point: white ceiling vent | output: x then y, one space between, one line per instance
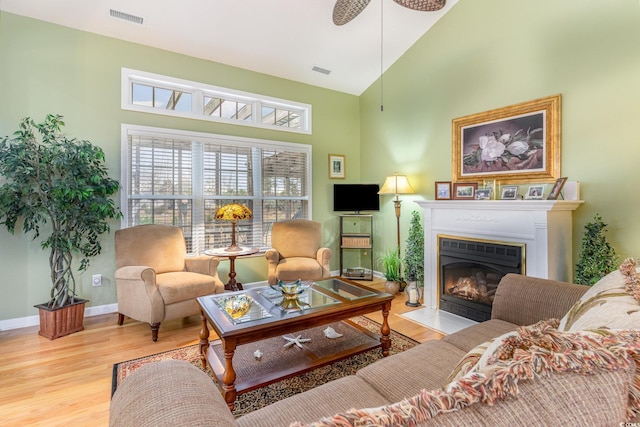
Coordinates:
321 70
126 17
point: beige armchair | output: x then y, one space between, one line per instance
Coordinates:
155 280
297 252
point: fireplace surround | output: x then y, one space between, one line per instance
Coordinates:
543 227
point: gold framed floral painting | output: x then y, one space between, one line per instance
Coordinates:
518 143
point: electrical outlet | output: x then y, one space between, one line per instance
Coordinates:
96 280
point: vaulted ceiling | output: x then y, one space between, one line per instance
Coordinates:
284 38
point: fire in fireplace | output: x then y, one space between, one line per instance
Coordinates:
469 273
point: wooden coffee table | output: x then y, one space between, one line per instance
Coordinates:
326 301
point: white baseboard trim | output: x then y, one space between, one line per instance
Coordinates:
24 322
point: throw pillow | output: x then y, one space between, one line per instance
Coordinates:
530 353
469 361
609 304
511 340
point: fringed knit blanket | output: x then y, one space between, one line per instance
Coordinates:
534 351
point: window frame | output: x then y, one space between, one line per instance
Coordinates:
199 90
198 223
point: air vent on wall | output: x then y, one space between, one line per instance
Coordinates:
126 17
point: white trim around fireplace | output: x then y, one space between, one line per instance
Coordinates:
544 226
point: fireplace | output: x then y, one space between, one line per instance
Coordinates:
542 226
470 270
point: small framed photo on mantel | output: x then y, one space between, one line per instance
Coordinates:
535 192
464 190
509 192
557 188
443 190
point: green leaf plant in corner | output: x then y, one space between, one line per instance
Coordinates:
597 257
57 186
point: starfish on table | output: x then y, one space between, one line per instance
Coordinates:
297 341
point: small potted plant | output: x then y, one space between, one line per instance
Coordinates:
61 182
391 263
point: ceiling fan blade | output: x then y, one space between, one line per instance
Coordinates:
345 10
422 5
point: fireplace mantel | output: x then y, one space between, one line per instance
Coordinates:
543 226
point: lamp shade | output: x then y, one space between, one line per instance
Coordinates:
234 212
396 184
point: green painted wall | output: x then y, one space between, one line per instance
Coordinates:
493 53
481 55
46 68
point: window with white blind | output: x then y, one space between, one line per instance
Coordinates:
181 178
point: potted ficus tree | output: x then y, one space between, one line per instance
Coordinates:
57 186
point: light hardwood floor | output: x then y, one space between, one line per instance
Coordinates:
67 381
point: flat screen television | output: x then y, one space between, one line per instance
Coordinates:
356 197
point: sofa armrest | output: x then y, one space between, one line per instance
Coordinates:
524 300
168 393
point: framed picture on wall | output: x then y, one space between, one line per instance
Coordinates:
443 190
336 166
517 143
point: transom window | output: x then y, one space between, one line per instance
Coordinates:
154 93
182 178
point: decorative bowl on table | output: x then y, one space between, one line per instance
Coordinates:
290 290
237 305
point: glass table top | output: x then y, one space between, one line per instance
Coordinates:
344 289
310 298
265 302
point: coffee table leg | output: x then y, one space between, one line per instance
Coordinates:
385 330
204 340
229 377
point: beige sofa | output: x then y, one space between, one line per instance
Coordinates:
567 398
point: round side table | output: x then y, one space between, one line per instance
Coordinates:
232 284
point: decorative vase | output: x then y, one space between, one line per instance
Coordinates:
391 287
58 322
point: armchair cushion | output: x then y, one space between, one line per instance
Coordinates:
183 285
291 269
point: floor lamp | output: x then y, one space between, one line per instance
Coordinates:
396 184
